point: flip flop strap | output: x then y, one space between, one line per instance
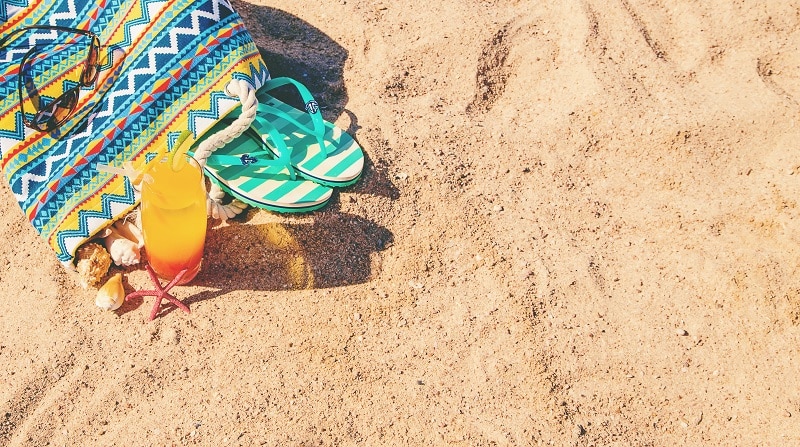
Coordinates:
258 159
317 128
284 159
262 158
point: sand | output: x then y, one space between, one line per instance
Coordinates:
578 225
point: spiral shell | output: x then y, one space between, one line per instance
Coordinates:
93 262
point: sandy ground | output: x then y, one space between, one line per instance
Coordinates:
578 225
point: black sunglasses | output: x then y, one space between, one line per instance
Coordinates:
57 111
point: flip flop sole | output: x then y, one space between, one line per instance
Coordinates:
297 200
260 186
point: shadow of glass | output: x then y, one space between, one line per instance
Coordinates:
335 250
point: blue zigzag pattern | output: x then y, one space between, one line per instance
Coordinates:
105 213
144 72
145 19
123 141
66 15
259 77
35 188
6 3
212 113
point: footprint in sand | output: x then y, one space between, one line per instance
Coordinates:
632 40
531 46
43 390
492 72
781 74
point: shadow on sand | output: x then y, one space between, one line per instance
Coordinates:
293 48
332 250
324 249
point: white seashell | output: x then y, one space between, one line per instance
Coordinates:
112 294
123 251
124 241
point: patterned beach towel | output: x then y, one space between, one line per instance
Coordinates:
164 66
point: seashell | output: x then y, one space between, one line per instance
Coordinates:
124 241
123 251
112 294
131 230
92 264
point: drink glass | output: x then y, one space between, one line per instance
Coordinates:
174 216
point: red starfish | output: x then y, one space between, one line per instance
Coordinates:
160 292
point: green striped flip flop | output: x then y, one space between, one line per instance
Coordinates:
249 171
319 150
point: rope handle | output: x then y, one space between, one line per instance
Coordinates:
241 89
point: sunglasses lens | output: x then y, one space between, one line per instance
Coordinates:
90 72
57 111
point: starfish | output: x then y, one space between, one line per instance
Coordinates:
160 292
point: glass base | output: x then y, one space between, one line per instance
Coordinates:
187 277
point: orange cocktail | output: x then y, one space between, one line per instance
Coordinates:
174 216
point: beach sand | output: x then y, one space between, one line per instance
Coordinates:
578 225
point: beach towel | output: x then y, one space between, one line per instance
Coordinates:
162 68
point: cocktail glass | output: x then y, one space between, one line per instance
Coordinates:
174 216
173 222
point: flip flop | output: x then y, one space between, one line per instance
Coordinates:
319 150
248 170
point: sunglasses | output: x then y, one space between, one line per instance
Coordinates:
56 112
